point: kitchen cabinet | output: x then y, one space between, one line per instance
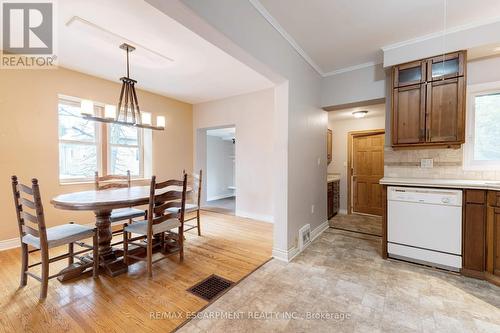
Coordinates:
428 102
329 144
333 198
492 272
474 233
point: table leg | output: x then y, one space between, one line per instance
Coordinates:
109 259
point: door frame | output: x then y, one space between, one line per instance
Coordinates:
350 138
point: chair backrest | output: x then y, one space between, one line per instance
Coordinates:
29 210
117 181
195 183
160 201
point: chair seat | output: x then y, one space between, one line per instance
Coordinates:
189 208
125 214
141 227
61 234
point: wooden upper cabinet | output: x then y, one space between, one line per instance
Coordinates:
428 106
410 74
445 110
409 114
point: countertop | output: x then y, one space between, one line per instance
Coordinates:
331 177
443 183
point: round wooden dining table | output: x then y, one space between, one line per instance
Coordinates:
102 203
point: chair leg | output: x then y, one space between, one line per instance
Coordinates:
181 243
150 256
95 253
45 273
125 245
71 251
198 221
24 264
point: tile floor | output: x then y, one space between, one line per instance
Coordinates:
223 206
342 275
358 223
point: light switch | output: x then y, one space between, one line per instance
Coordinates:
427 163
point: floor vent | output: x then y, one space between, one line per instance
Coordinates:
211 287
304 236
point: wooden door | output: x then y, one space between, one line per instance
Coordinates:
367 170
408 123
445 111
329 145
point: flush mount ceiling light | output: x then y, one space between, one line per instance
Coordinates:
359 114
497 49
129 112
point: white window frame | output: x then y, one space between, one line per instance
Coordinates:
140 146
104 148
472 92
97 143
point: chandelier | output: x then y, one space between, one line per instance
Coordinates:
129 112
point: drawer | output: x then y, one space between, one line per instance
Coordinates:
475 196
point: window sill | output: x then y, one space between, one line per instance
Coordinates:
84 182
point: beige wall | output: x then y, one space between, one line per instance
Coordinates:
252 116
29 138
341 123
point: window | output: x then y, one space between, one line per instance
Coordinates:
483 127
87 146
125 150
79 150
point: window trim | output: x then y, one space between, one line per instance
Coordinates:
97 144
474 91
103 145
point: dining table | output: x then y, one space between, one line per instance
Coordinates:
102 203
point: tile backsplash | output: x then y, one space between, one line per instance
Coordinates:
447 164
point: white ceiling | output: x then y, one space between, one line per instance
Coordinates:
374 111
196 72
339 35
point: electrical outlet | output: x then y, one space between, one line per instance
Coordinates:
426 163
312 209
319 161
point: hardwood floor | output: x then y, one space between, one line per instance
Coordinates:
231 247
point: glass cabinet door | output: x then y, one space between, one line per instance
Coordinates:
445 67
409 74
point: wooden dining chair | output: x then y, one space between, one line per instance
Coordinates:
33 232
193 201
160 221
122 214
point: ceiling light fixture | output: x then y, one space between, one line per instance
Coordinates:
359 114
129 112
497 49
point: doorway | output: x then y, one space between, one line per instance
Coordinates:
221 169
365 169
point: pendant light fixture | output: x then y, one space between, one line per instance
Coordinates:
129 112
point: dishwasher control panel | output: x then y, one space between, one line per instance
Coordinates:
425 195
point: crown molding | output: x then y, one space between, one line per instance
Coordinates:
269 18
351 68
441 33
274 23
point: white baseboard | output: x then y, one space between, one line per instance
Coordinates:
222 196
9 244
258 217
290 254
343 211
287 255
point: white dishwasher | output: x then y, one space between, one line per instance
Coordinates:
425 226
